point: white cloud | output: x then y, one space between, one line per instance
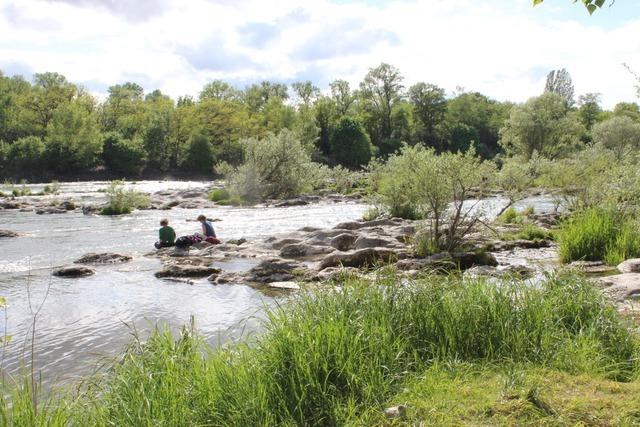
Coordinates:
502 48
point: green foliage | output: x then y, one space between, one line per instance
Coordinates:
219 194
123 156
73 139
619 134
599 234
532 232
26 155
509 216
350 145
418 183
326 358
200 155
591 5
122 201
276 166
541 125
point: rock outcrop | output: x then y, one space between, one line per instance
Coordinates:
103 258
73 271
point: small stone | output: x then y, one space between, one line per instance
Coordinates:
102 258
9 233
399 411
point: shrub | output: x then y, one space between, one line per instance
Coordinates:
599 234
532 232
418 183
219 194
200 156
509 216
121 201
619 134
26 156
275 166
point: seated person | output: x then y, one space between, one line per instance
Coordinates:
208 232
167 235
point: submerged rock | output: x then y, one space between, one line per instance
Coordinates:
73 271
177 270
273 270
9 233
592 267
103 258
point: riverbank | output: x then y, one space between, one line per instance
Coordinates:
343 357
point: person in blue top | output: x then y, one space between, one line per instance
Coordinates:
207 230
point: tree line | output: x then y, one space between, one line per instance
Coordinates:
52 126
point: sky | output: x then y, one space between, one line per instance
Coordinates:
502 48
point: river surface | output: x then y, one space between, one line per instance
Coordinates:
82 321
88 319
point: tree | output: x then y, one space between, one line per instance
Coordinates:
429 106
73 140
306 92
589 110
257 96
619 134
26 155
124 110
200 155
49 91
628 109
591 5
220 90
380 90
342 96
350 145
559 81
123 156
541 125
326 114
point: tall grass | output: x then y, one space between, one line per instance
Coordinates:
327 357
121 201
599 234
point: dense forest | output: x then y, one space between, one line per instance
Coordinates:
54 128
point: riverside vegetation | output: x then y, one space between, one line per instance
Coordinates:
511 352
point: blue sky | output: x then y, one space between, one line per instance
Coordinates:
503 48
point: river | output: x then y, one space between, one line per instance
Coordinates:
84 321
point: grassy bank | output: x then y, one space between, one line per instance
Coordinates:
338 358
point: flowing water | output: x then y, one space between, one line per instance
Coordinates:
82 321
87 319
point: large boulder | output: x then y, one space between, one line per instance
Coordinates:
178 270
343 241
367 257
299 250
73 271
273 270
621 287
279 244
466 260
9 233
103 258
630 266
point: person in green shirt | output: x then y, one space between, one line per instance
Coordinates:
167 235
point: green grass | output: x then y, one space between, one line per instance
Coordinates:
331 358
121 201
530 232
599 234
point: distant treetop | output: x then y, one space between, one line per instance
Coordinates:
591 5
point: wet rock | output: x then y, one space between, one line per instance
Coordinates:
592 267
508 245
356 225
466 260
178 270
103 258
273 270
510 270
289 286
621 287
367 257
344 241
73 271
292 202
226 278
309 229
170 204
237 242
9 233
630 266
192 194
10 205
439 261
299 250
89 209
67 205
50 210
